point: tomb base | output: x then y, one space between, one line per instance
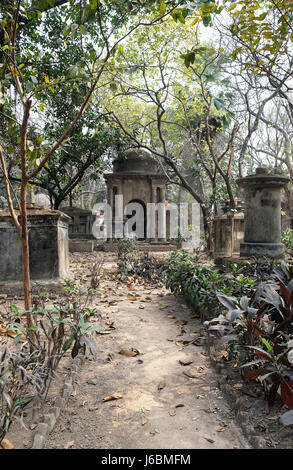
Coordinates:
262 250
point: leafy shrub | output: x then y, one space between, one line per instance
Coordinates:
258 269
125 246
21 381
197 283
287 239
145 266
260 330
26 372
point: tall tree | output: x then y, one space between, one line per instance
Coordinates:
25 74
173 110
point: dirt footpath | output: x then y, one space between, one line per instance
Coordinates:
164 397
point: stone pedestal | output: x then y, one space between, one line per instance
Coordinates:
262 220
48 246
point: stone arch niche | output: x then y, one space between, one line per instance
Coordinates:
142 228
135 177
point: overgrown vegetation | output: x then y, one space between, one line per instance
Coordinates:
198 283
257 329
143 265
258 335
287 239
30 363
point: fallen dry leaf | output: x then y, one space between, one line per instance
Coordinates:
12 333
114 396
143 420
162 385
208 439
185 363
69 444
182 343
238 386
220 429
210 410
180 405
130 352
6 444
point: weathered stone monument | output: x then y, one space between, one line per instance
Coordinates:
80 228
48 246
228 232
80 225
262 220
136 178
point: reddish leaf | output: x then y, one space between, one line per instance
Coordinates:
161 385
262 308
287 393
273 393
263 354
253 374
285 292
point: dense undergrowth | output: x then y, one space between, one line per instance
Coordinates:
256 327
143 265
29 362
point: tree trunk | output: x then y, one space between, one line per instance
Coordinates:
25 254
57 203
206 228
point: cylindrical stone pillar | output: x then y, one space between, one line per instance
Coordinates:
262 219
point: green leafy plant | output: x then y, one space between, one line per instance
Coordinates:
197 283
21 382
287 239
125 246
58 328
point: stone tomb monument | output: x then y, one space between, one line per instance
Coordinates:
262 219
135 177
48 246
228 232
80 225
80 228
